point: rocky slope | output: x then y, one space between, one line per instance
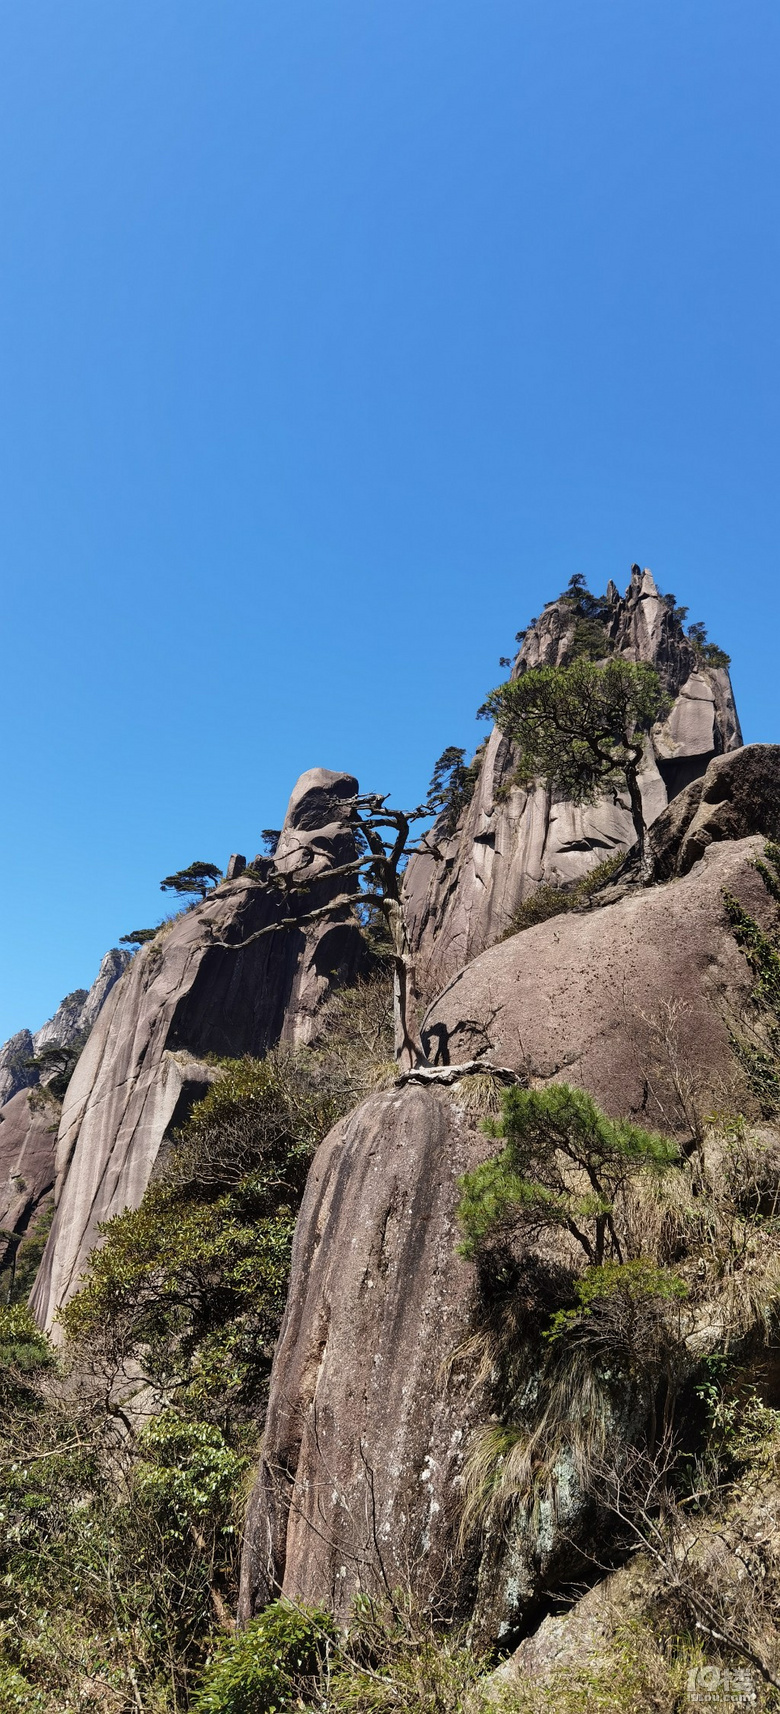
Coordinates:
77 1013
204 986
509 840
15 1073
28 1125
71 1022
28 1129
369 1416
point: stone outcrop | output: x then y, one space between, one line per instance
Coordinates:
367 1425
28 1129
585 999
15 1072
203 986
738 795
509 840
71 1023
582 1638
77 1013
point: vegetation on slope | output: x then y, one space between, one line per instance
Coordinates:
125 1453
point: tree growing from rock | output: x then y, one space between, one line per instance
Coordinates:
373 881
196 881
565 1165
582 729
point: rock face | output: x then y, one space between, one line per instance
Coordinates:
738 795
581 1638
508 840
196 989
76 1014
72 1020
585 999
15 1074
367 1426
27 1136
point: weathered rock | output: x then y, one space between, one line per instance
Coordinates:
366 1425
582 1638
586 998
28 1130
740 795
366 1429
196 989
72 1021
720 1558
15 1073
76 1014
509 840
236 867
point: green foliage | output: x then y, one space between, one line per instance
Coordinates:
23 1257
195 1289
759 1050
708 654
565 1164
55 1066
549 901
624 1290
197 880
268 1666
138 937
451 788
579 727
590 641
24 1352
186 1472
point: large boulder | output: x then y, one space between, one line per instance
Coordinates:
607 998
508 839
738 795
77 1013
367 1424
371 1410
212 983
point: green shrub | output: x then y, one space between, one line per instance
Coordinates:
757 1043
268 1666
565 1164
17 1694
551 901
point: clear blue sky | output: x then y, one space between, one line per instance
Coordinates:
334 336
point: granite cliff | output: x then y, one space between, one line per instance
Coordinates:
509 840
195 991
368 1424
401 1368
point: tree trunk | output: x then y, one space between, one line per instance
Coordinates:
638 818
408 1048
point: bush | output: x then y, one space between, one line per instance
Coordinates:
565 1165
270 1664
550 901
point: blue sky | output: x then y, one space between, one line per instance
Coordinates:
334 337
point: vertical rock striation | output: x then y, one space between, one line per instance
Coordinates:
15 1072
77 1013
197 989
509 840
27 1134
375 1392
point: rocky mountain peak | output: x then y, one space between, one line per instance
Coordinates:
509 840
